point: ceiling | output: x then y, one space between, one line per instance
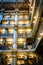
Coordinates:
12 4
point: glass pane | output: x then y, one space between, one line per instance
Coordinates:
20 0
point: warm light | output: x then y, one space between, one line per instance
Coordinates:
9 43
35 17
8 55
6 16
20 30
11 22
34 22
41 33
30 62
21 22
20 16
12 16
20 62
1 43
2 30
21 39
28 30
21 55
39 38
24 22
1 39
27 22
9 39
25 16
32 55
5 22
20 43
11 30
9 60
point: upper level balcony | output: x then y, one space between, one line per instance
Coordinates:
7 43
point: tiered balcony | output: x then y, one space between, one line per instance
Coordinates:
23 26
6 25
24 23
22 32
4 32
7 42
25 34
23 17
21 43
9 19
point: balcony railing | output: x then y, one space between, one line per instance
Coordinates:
6 35
16 24
24 18
6 25
5 50
24 34
24 25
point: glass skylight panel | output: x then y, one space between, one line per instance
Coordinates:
20 0
12 0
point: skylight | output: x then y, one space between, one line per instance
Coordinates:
12 0
20 0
